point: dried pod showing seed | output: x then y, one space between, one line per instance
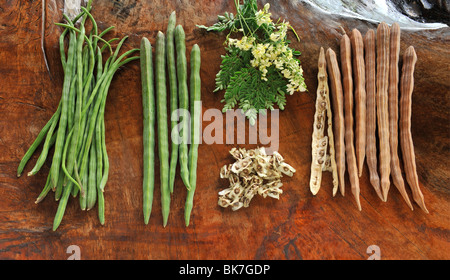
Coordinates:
320 142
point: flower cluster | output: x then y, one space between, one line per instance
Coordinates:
273 52
263 16
259 68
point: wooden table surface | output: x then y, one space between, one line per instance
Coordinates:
298 226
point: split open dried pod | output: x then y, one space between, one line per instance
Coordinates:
323 150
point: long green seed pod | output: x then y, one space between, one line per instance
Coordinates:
148 104
56 162
42 134
91 190
180 43
163 136
195 90
173 87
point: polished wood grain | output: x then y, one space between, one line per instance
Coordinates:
298 226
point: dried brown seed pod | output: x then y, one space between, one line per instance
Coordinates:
396 172
371 111
346 64
338 116
359 73
382 105
407 146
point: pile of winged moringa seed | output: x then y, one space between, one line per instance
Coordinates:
254 172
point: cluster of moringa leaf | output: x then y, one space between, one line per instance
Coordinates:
259 68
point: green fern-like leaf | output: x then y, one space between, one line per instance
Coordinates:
225 22
232 62
247 91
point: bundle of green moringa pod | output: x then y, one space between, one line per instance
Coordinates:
79 164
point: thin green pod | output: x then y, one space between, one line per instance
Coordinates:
91 125
195 90
173 88
79 101
85 62
45 149
63 165
99 169
105 159
61 207
98 129
148 134
71 105
84 181
59 186
101 206
92 179
45 191
99 71
101 142
80 149
107 44
99 152
104 89
45 131
56 161
62 37
161 116
180 45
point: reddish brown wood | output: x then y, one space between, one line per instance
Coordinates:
298 226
